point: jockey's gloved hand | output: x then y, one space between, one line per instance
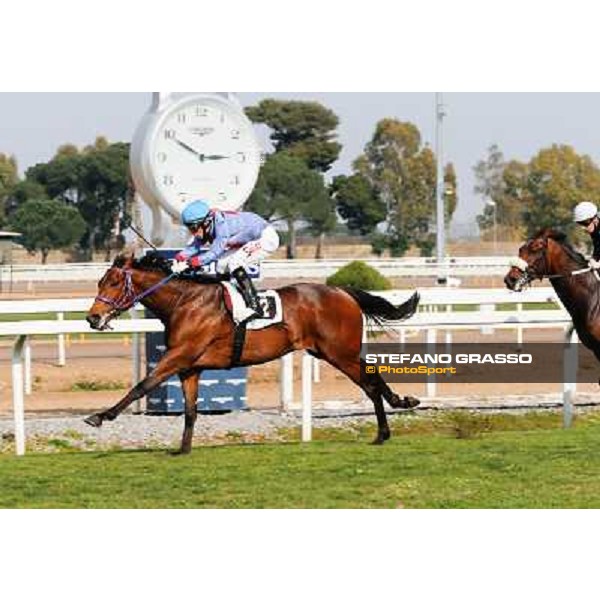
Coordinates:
594 264
179 266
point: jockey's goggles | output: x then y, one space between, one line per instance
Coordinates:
195 227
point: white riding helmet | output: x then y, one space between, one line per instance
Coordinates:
585 211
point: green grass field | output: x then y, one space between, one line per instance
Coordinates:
505 462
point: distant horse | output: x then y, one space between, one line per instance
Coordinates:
549 255
325 321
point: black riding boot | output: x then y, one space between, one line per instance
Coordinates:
248 291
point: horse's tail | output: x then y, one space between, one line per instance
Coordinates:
381 312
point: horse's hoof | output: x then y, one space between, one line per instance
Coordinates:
411 402
406 403
382 438
94 421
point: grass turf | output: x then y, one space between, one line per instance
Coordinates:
517 462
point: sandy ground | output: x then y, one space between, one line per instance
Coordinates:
109 364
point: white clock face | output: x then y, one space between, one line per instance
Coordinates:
205 149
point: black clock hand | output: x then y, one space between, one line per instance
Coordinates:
189 148
204 157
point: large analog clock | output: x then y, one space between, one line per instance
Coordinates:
196 146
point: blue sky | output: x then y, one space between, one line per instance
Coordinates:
33 125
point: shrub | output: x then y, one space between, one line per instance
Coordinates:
360 275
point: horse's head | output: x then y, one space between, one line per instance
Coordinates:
115 294
542 256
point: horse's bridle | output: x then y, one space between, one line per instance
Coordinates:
529 272
128 298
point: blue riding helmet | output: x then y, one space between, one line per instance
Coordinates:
195 213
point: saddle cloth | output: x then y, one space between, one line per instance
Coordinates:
270 301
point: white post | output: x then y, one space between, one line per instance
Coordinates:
316 371
519 327
27 359
18 397
137 363
431 384
287 381
62 355
307 361
570 363
488 310
448 332
365 340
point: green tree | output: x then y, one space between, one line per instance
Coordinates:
559 178
358 203
306 130
287 190
543 192
47 225
403 174
22 192
498 182
96 182
8 178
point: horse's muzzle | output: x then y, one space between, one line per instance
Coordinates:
510 282
98 322
517 280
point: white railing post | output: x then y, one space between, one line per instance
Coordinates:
307 362
570 362
136 354
286 380
519 327
316 371
62 355
487 309
18 396
27 361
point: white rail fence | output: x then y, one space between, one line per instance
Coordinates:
279 269
438 315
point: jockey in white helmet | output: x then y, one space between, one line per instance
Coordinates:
586 215
235 240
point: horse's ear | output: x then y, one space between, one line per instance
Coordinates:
124 261
539 244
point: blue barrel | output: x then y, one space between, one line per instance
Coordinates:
220 391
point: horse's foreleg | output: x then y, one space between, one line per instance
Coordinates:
189 384
170 365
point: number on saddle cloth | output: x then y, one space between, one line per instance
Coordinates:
270 301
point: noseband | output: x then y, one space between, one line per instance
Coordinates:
128 298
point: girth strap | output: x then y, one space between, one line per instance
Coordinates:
239 340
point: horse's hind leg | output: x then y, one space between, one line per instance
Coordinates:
189 384
371 387
393 399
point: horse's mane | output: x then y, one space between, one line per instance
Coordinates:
154 262
561 238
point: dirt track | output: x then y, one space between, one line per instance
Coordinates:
108 364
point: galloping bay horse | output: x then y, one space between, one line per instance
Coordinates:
325 321
548 254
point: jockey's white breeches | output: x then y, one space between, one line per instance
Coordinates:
252 254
